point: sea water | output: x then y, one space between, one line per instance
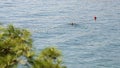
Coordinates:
85 44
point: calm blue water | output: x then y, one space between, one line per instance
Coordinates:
88 44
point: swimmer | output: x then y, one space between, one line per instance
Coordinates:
95 18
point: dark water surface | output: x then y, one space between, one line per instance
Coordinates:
87 44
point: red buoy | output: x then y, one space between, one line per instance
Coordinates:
95 18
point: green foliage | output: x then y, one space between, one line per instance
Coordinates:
16 43
49 58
